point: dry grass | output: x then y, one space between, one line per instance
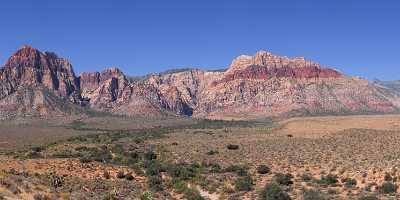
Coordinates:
363 148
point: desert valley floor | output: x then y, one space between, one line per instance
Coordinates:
107 157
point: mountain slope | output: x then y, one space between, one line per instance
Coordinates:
36 101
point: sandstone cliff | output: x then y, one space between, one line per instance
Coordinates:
253 86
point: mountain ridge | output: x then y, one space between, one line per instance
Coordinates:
260 85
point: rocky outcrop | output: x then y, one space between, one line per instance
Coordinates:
28 66
104 89
32 82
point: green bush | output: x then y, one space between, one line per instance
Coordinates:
244 183
263 169
272 191
150 155
283 179
387 188
215 168
146 196
153 168
329 179
192 194
155 183
349 182
312 194
239 169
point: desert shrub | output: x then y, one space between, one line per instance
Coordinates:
146 196
38 148
123 160
232 146
388 177
272 191
56 181
66 154
120 174
212 152
110 196
387 188
153 168
263 169
118 149
242 172
150 155
244 183
94 154
283 179
180 187
368 198
239 169
349 182
215 168
155 183
312 194
192 194
306 177
329 179
33 155
40 197
129 177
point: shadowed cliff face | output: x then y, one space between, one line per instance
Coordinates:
253 86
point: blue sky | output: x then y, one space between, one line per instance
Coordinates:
358 37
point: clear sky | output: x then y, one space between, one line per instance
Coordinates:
358 37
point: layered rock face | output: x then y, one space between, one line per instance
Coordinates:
32 82
28 66
253 86
37 101
104 89
111 91
267 85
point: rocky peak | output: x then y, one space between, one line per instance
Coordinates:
267 59
92 80
29 66
265 65
112 72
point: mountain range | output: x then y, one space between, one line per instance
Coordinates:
41 84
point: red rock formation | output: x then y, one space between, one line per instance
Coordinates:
28 66
253 86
